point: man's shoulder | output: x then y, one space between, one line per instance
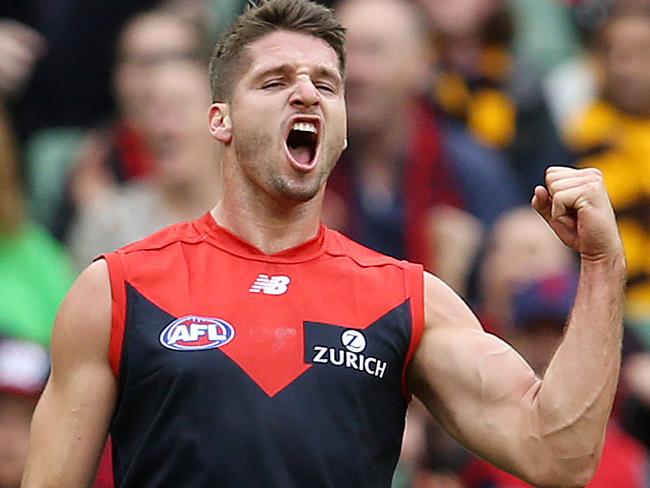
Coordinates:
181 232
340 245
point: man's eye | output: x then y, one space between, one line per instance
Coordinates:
272 84
325 87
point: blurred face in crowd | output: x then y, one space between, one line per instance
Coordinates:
174 128
459 18
15 417
387 63
626 56
146 42
522 247
538 342
286 117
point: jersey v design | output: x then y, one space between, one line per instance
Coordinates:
230 377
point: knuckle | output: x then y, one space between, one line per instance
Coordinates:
554 169
595 172
551 172
551 178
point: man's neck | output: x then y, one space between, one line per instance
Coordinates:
267 224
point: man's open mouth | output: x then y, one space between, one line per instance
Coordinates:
302 143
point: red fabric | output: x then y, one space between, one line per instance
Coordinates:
428 182
135 159
623 465
377 283
104 478
415 289
118 310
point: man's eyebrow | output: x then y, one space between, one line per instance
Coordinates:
264 72
327 72
286 68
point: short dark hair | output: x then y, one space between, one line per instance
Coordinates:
230 58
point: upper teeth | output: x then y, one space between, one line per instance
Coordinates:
305 127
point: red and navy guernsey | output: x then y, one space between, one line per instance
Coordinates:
241 369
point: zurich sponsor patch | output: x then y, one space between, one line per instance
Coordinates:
193 333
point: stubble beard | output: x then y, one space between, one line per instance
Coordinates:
265 169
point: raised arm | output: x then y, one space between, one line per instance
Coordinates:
71 420
548 431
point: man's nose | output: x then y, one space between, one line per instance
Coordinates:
305 94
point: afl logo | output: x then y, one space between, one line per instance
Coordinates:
193 333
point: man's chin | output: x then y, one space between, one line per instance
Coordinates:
296 192
301 195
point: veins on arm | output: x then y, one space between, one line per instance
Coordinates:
548 432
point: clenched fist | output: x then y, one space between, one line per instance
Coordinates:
576 206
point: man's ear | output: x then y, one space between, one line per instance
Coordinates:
220 123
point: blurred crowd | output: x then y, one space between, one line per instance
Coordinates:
455 110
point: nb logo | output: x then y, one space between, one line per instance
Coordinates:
270 285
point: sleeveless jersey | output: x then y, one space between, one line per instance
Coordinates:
241 369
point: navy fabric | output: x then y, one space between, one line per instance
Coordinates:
196 419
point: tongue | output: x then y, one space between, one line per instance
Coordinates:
302 154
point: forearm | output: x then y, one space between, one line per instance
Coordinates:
575 399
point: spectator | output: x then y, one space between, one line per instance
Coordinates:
434 459
404 199
540 310
479 84
520 247
24 367
185 178
487 184
385 72
214 15
70 82
116 153
635 413
614 135
35 273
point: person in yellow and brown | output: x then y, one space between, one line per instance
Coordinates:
485 91
614 135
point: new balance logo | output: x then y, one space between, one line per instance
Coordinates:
270 285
